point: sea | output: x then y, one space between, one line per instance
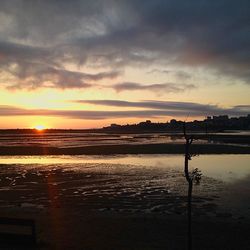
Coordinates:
132 183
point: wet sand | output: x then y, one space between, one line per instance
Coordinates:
162 148
71 229
107 206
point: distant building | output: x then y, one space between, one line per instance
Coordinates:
173 122
210 123
220 118
114 125
147 122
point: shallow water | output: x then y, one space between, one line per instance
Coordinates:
144 183
101 186
80 139
228 168
84 139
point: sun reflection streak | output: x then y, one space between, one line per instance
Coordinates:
55 209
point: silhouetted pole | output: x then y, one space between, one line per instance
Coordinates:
189 179
194 175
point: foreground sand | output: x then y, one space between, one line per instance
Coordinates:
109 207
83 229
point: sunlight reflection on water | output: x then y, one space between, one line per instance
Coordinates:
130 182
228 168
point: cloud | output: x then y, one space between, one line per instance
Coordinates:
174 108
167 87
210 34
143 109
182 75
35 67
88 115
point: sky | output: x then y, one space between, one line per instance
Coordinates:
87 64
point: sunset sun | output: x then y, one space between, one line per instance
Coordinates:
39 127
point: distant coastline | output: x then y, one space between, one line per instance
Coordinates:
211 124
210 138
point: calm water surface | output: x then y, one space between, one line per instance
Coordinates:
228 168
80 139
84 139
140 181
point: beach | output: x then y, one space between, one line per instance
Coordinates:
103 191
88 230
104 204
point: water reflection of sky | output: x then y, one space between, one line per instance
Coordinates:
229 168
84 139
225 176
67 140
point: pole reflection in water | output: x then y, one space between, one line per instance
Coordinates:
194 175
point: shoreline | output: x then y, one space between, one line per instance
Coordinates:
162 148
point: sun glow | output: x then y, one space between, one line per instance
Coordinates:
39 127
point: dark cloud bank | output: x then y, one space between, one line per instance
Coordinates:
39 37
167 87
146 109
